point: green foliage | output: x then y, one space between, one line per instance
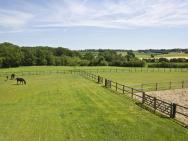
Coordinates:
135 63
11 55
14 56
152 56
29 58
88 56
168 65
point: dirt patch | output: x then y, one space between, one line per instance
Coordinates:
178 96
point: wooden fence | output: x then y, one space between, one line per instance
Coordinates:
135 69
167 108
162 85
98 70
22 73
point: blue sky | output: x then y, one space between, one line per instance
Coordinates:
88 24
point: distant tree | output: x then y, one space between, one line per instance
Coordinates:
11 55
58 61
50 59
29 58
152 56
88 56
41 57
130 56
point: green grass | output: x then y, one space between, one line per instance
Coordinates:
174 54
68 107
148 55
147 80
133 78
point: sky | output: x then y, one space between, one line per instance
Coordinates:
94 24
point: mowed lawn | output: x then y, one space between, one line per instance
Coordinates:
68 107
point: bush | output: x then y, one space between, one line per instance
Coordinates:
168 65
137 63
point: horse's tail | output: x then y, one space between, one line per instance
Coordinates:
24 82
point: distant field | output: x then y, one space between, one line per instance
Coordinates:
148 55
61 107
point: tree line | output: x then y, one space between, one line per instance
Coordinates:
13 56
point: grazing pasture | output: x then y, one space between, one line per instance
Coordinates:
60 107
135 79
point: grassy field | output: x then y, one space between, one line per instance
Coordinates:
136 78
148 55
147 80
68 107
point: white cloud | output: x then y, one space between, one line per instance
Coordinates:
12 19
105 13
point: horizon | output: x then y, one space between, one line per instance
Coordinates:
93 48
93 24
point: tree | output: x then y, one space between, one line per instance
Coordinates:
41 57
152 56
88 56
50 59
130 56
29 58
11 55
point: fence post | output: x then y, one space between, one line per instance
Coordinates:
98 79
156 86
132 92
143 97
173 110
154 103
116 86
182 85
105 82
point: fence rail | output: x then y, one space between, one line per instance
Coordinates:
22 73
136 69
162 85
93 70
169 109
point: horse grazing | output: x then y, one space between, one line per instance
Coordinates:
20 81
12 76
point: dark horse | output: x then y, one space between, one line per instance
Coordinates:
12 76
20 81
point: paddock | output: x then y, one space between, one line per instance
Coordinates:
66 106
